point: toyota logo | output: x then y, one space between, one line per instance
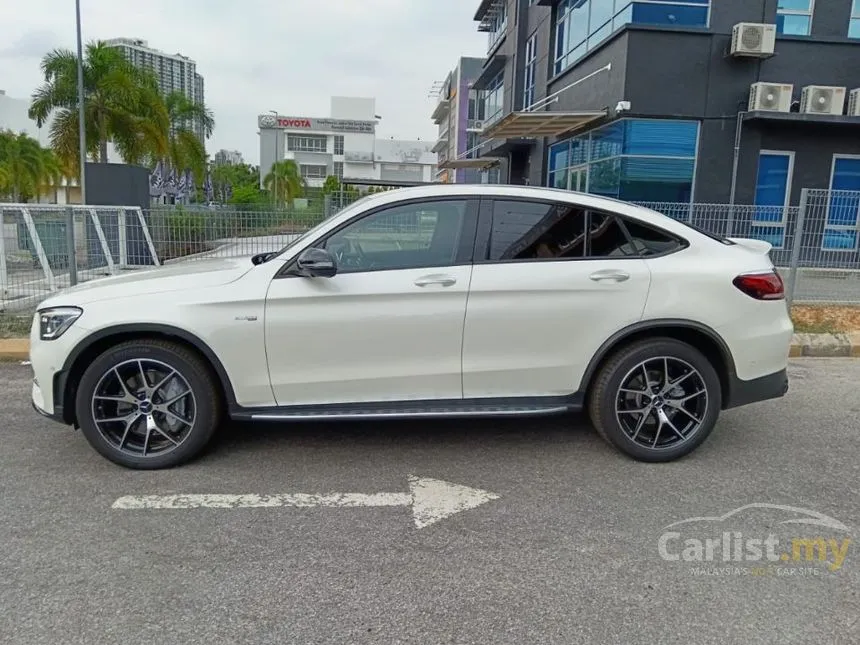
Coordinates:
267 121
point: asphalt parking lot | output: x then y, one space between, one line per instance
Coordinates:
564 547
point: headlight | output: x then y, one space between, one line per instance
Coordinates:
54 322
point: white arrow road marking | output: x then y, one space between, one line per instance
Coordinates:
431 500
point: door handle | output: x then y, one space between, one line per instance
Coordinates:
442 280
610 274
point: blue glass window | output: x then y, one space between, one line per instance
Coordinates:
581 25
651 179
854 23
794 17
498 27
640 160
773 183
844 206
661 138
669 14
494 98
530 69
604 178
559 156
607 141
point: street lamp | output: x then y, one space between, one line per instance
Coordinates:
275 159
82 135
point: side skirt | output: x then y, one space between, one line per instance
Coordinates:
454 408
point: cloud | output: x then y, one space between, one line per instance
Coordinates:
261 55
33 44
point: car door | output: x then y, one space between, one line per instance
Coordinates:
551 282
389 325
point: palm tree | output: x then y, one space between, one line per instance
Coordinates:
285 182
185 149
26 168
121 104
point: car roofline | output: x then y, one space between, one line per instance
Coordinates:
585 200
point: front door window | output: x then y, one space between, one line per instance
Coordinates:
412 236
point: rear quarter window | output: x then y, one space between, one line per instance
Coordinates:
649 241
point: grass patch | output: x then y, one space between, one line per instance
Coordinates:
15 326
825 319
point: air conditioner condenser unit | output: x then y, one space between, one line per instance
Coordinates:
822 99
770 97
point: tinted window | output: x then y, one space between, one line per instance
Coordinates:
649 241
531 230
403 237
607 238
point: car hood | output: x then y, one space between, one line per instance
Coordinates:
196 274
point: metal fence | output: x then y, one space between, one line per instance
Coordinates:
45 248
815 244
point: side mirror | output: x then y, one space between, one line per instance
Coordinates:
316 263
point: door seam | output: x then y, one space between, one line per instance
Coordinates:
463 333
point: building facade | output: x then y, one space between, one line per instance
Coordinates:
458 113
14 115
343 145
175 72
227 158
674 101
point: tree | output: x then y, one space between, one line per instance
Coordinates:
331 185
121 104
26 168
247 196
284 182
186 149
237 175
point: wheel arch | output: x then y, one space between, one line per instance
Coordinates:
65 385
700 336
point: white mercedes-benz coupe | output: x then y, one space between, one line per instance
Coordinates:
433 301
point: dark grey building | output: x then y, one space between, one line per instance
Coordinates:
646 100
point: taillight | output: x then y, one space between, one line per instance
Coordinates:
761 286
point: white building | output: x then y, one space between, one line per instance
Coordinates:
13 116
227 158
343 144
175 72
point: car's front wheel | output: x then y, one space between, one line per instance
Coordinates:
148 404
656 400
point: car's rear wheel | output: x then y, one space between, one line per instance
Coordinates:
148 404
656 400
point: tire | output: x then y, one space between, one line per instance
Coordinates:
169 428
620 397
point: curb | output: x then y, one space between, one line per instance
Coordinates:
802 346
14 349
825 345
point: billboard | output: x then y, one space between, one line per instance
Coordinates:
315 124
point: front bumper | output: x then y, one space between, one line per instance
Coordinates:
772 386
38 402
48 362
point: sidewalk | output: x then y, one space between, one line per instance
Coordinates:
802 345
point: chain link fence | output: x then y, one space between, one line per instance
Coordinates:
45 248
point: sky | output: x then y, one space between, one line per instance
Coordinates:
262 55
